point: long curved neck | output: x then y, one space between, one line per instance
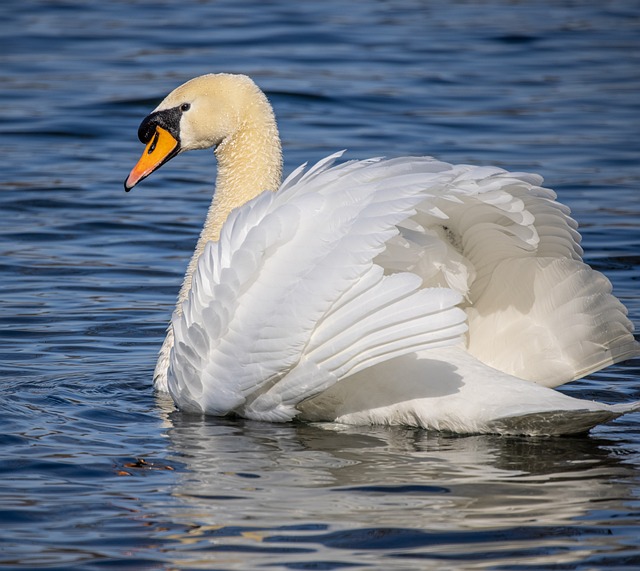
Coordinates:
249 162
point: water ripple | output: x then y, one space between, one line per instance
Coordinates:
98 471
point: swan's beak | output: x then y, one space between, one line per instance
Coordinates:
161 147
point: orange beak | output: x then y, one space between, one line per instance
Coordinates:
160 148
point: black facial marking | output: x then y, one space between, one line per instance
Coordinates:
168 119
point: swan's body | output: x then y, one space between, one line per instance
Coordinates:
406 291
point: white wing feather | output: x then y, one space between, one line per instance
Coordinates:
347 267
278 311
500 239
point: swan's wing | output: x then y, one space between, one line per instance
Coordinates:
473 218
289 300
504 242
549 320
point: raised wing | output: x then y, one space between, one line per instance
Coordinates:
289 301
503 241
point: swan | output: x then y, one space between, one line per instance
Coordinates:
385 291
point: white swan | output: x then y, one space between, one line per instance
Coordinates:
405 291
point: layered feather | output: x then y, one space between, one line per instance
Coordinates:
536 311
289 301
312 289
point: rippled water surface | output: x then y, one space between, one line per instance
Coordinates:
99 472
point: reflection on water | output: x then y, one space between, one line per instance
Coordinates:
407 493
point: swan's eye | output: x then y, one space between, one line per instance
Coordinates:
185 107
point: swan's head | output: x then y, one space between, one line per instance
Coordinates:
199 114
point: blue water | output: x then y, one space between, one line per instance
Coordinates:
98 472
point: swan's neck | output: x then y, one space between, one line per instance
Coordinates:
249 162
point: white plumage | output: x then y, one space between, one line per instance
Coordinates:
404 291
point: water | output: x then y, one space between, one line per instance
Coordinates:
98 472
